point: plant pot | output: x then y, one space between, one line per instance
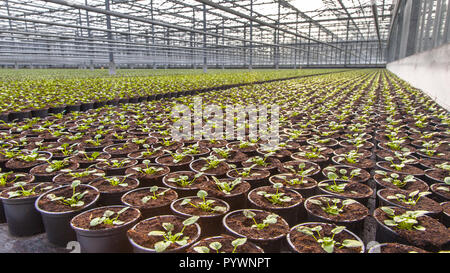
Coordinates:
445 219
104 239
437 240
417 184
363 177
227 247
293 211
42 175
24 167
141 230
21 215
167 160
352 216
440 195
353 190
315 173
220 171
270 240
119 171
302 243
160 206
147 180
237 198
408 169
66 179
111 195
140 157
390 248
57 223
306 189
257 178
424 203
190 190
86 163
210 223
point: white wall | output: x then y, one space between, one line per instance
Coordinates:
428 71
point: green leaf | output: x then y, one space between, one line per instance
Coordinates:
239 241
161 246
190 220
351 243
201 249
156 233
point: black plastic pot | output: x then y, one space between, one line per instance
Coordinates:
57 224
211 225
111 240
293 229
22 217
140 249
306 192
112 198
272 245
182 191
148 212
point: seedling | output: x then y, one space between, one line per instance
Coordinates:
56 165
23 192
278 197
184 181
116 181
148 170
153 196
407 220
260 161
334 187
205 205
395 178
177 157
216 246
301 172
328 243
212 162
149 152
4 178
410 199
330 205
81 174
223 152
270 219
170 237
227 187
443 188
292 181
115 163
74 200
92 157
343 174
107 220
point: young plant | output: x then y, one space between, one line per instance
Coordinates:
23 192
223 152
116 181
184 181
334 187
216 246
107 220
407 220
270 219
343 173
395 179
148 170
56 165
205 205
74 200
4 178
332 206
177 157
328 243
301 172
153 195
410 199
212 162
170 236
227 187
276 198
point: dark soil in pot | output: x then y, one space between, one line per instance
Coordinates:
395 248
144 243
256 178
56 215
105 238
147 179
362 163
306 186
121 150
111 194
436 176
270 238
363 153
302 243
187 185
89 158
271 164
292 211
357 191
345 173
225 240
234 157
196 154
21 215
220 143
350 215
41 173
445 213
149 203
170 145
249 149
168 160
413 185
209 221
434 238
382 154
427 163
112 170
295 167
18 165
219 171
407 169
424 202
441 192
90 147
281 154
83 175
142 155
236 198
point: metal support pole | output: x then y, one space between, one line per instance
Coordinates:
205 58
250 63
112 65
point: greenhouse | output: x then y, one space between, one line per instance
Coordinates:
224 126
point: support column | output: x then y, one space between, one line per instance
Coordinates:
205 58
112 64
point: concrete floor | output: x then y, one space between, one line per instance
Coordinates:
33 244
